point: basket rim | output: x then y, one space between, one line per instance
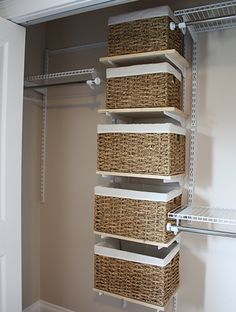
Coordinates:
107 250
143 69
160 11
141 128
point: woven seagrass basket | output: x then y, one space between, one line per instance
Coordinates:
136 279
141 149
142 216
143 31
141 86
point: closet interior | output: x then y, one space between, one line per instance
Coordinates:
127 150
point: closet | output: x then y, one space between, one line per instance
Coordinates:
60 159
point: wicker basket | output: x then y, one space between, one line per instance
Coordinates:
150 85
151 277
143 31
151 149
139 215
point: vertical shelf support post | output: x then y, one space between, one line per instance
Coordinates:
44 134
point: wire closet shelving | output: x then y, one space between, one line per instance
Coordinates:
88 76
202 19
207 18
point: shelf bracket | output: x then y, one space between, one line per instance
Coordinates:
178 118
175 297
123 304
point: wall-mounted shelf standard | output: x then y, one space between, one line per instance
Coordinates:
174 178
88 76
171 56
156 112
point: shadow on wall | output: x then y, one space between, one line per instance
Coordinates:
203 164
192 285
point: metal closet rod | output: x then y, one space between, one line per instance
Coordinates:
177 228
40 86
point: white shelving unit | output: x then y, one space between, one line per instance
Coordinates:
207 18
171 56
157 112
40 84
201 19
88 76
205 214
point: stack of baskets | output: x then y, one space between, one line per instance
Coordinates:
138 213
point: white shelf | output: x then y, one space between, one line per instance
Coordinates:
145 304
141 241
155 112
204 214
171 56
174 178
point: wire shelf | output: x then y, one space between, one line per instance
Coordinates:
204 214
209 17
61 78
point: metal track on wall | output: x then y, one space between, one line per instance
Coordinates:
197 20
193 125
44 135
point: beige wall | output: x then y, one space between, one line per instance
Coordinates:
66 219
31 204
35 42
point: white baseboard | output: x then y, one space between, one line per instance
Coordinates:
35 307
43 306
49 307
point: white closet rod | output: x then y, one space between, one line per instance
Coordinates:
177 228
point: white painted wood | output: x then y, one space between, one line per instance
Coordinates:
173 178
49 307
28 11
145 304
110 248
138 70
142 14
142 241
141 128
171 56
164 196
12 42
35 307
146 111
43 306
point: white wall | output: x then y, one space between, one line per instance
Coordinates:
208 270
35 41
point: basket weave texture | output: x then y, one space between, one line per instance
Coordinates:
151 153
139 219
152 34
148 90
143 282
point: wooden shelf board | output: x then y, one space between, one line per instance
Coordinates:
142 241
140 175
144 112
145 304
145 57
